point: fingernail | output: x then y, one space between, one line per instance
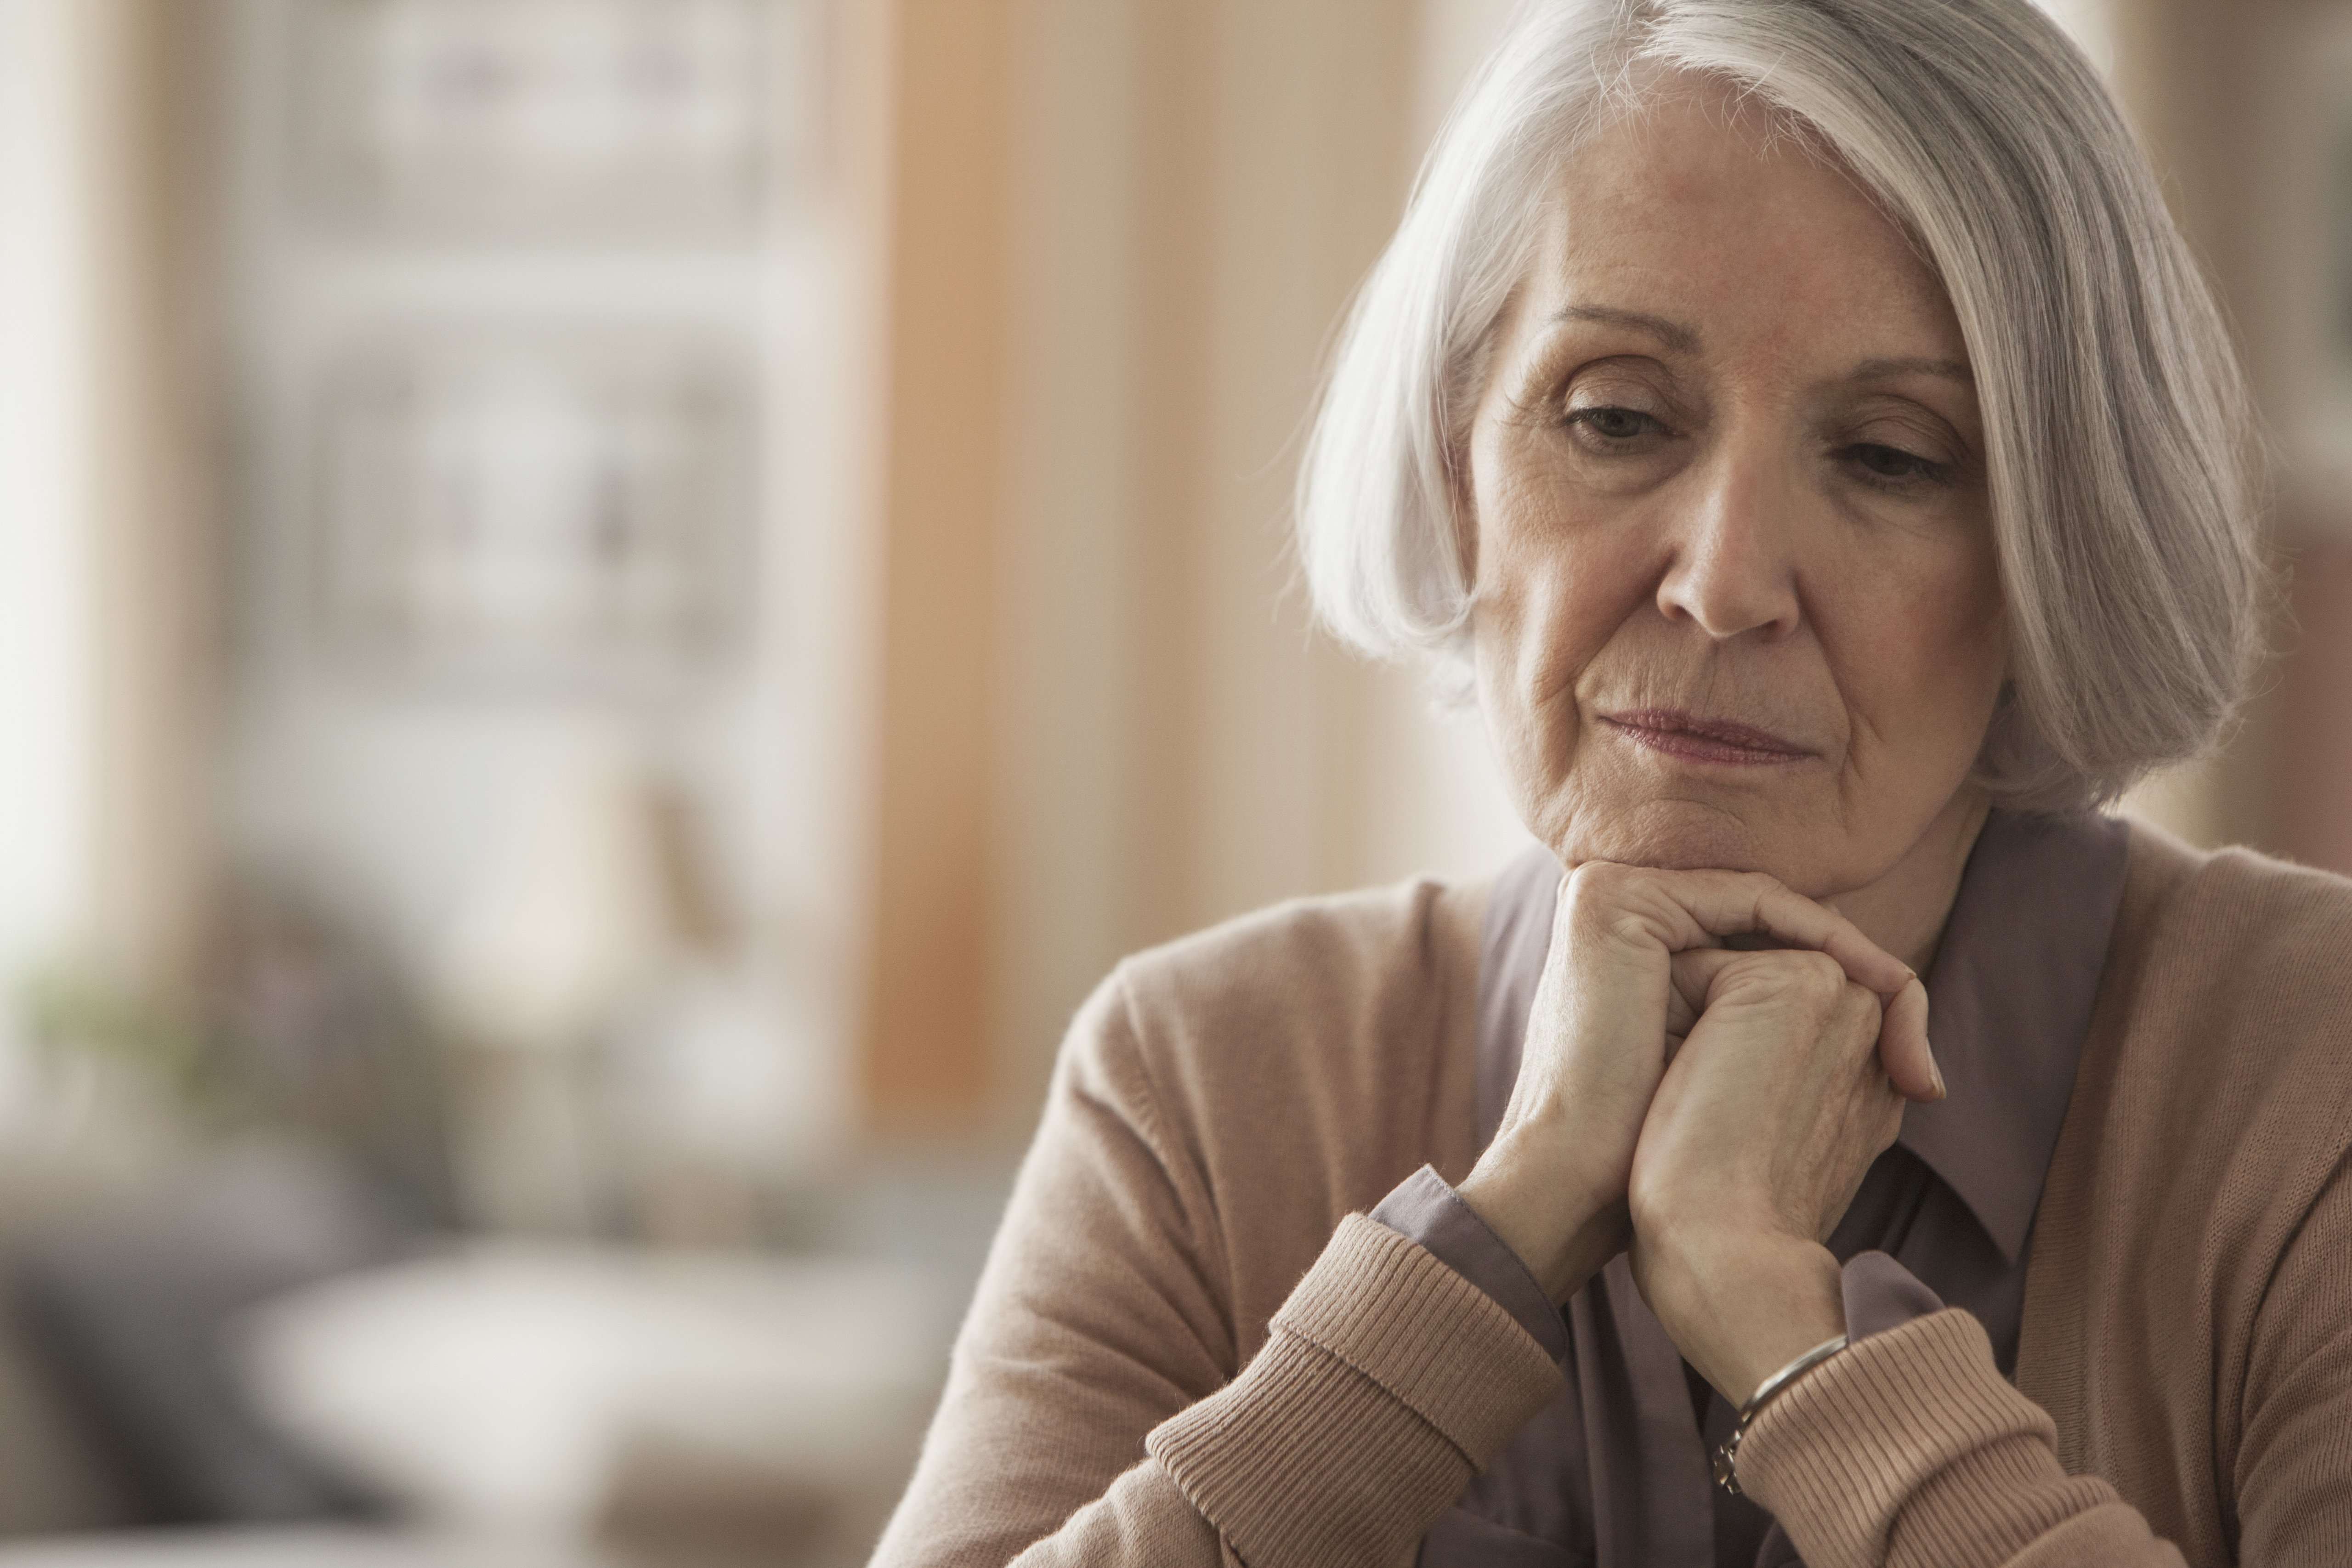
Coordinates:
1940 1090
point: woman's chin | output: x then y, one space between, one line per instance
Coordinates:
1693 835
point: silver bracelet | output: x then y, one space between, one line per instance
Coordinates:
1727 1458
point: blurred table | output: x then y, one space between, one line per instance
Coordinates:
291 1549
702 1410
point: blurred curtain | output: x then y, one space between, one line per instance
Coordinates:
1120 235
106 696
107 581
143 68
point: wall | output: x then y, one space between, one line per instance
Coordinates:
2244 110
1199 189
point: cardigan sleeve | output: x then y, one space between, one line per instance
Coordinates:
1096 1411
1911 1448
2293 1474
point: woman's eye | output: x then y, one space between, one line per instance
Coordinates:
1893 463
1615 423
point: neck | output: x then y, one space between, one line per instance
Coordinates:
1903 911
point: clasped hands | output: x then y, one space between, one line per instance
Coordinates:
1707 1109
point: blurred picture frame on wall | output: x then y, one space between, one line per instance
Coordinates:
558 118
2304 332
532 511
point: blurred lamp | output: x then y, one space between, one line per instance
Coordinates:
580 923
591 905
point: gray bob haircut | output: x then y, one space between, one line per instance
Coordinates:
2118 435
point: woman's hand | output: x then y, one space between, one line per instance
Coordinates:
1554 1183
1761 1131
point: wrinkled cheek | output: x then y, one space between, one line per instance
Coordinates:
1534 624
1972 659
1956 652
1540 624
1503 697
1527 690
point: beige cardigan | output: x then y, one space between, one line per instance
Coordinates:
1189 1347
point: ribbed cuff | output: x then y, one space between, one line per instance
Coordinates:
1909 1447
1425 1209
1388 1379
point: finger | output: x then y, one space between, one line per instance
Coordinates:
1696 906
1903 1048
1692 972
1904 1052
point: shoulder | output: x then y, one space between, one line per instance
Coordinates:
1322 1048
1334 960
1297 994
2259 941
2221 1058
2209 1123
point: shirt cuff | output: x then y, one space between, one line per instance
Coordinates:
1881 1294
1425 1211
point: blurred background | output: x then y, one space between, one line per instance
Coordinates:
611 609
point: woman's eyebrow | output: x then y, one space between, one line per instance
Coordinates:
1881 369
1682 340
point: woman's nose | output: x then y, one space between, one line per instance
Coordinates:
1733 571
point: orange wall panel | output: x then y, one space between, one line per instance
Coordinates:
950 113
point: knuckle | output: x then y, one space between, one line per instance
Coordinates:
1596 880
1761 888
1601 898
1824 977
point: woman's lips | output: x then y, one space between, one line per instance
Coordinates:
1696 740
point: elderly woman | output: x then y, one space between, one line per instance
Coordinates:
1801 426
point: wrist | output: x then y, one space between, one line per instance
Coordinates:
1741 1304
1563 1219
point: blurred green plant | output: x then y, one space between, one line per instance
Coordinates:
68 1011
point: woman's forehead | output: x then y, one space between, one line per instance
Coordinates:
1715 224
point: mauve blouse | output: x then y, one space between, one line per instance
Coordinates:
1615 1472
